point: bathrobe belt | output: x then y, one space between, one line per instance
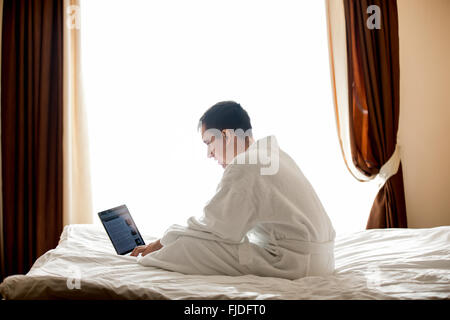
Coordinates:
298 246
307 247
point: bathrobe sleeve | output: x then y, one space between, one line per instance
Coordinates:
228 216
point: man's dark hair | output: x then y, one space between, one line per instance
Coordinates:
226 115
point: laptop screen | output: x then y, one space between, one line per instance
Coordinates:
121 229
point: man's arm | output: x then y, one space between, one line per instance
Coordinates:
231 213
227 218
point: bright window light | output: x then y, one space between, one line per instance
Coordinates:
150 70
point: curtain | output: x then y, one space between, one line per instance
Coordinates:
365 77
77 179
337 49
2 250
32 124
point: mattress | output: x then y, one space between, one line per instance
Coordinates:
371 264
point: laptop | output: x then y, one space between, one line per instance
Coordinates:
121 229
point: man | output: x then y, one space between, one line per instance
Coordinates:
265 218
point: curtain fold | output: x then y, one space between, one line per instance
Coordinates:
77 179
2 249
31 124
337 48
367 100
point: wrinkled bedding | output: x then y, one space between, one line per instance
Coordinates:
371 264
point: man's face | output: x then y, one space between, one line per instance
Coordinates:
218 146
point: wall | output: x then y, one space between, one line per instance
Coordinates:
424 126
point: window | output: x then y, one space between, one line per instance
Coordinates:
150 70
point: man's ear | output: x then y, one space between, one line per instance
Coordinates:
226 134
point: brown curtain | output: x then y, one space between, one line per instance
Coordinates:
31 122
373 97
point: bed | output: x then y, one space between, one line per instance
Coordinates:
371 264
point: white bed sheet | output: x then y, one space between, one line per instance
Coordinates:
371 264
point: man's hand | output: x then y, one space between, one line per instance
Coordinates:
154 246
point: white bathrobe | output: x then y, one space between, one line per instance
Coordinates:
270 225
